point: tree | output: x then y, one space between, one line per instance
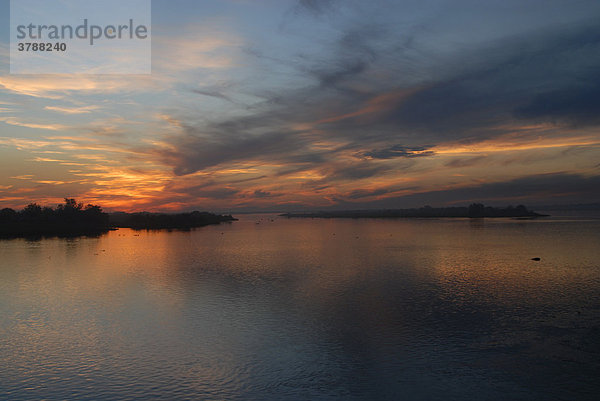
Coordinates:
32 211
7 215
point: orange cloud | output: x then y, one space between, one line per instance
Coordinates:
508 143
17 122
72 110
58 86
378 104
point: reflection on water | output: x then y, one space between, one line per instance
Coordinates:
306 309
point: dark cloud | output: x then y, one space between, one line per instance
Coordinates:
352 171
212 93
208 189
330 77
194 151
365 193
549 76
259 193
353 54
248 179
523 77
578 105
373 85
398 151
466 162
542 189
316 7
218 193
497 84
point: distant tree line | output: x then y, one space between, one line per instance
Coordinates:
69 218
72 219
476 210
147 220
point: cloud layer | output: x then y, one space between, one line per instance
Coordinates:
329 104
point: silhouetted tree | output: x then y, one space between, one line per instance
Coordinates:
32 211
67 218
146 220
8 215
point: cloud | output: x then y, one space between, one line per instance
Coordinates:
466 162
332 76
468 94
212 93
259 193
19 123
348 102
352 171
316 7
200 47
367 193
195 150
398 151
72 110
218 193
61 86
517 78
539 189
358 101
578 105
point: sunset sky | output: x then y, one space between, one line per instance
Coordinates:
314 104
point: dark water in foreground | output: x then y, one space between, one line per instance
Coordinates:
306 309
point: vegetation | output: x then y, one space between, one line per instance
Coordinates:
476 210
160 220
70 218
74 219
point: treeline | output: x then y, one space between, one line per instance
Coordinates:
70 218
475 210
152 221
73 219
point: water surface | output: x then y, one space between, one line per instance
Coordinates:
271 308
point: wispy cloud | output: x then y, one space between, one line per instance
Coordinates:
72 110
398 151
20 123
61 86
199 47
336 104
23 177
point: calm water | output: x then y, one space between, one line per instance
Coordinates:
306 309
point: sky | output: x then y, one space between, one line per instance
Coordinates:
319 104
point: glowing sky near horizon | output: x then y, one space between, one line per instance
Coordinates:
272 105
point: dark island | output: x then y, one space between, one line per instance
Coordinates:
68 219
476 210
155 221
74 219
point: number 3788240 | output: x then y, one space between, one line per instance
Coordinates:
41 47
